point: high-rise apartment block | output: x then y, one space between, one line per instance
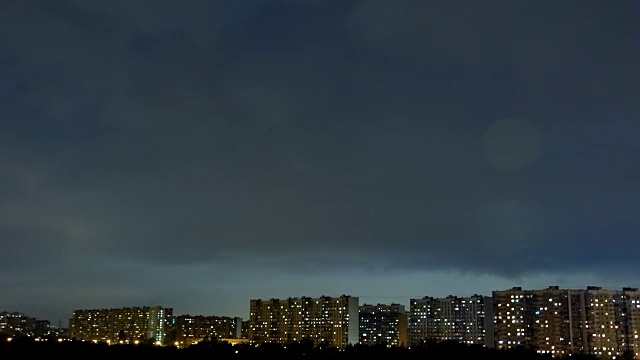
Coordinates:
124 325
16 323
193 329
558 321
383 325
464 319
328 321
244 332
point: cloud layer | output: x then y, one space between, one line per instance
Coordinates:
318 137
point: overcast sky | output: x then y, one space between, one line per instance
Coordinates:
198 154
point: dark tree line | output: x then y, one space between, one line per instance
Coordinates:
26 347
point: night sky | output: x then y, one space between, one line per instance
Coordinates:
198 154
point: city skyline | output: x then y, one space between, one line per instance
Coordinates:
557 321
199 154
390 301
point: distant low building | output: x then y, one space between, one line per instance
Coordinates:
235 341
193 329
41 328
59 332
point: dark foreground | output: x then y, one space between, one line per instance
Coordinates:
27 348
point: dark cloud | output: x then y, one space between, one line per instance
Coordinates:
316 138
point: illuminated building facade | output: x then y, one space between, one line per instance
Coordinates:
124 325
16 323
244 332
611 321
383 325
41 328
468 320
632 298
328 321
536 319
193 329
560 322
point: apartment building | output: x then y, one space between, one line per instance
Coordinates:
383 325
328 321
244 332
123 325
548 320
468 320
193 329
632 299
556 321
16 323
611 321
